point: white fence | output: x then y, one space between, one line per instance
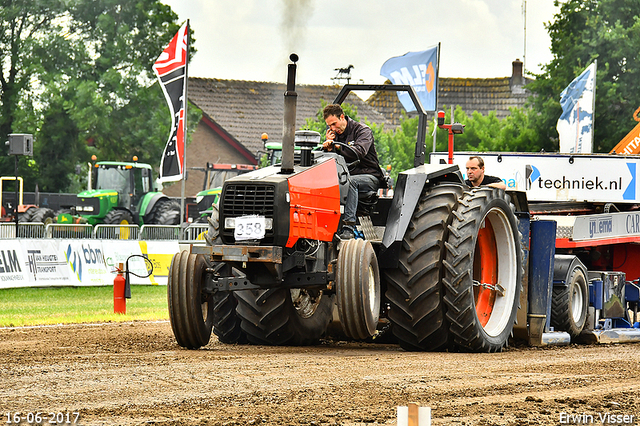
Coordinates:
193 232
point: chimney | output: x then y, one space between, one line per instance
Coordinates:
516 74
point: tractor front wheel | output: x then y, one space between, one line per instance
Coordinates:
191 310
119 217
358 289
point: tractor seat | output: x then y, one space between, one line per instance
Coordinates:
366 202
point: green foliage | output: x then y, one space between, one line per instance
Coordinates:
583 31
81 72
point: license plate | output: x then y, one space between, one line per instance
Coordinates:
249 228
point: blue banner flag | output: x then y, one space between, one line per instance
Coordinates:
417 69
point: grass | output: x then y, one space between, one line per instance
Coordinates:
73 305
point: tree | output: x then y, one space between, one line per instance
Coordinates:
86 64
585 30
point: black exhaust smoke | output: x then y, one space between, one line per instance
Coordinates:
289 129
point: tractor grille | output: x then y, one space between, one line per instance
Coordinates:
249 199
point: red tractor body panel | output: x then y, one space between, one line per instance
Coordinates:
314 211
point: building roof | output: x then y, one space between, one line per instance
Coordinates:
246 109
472 94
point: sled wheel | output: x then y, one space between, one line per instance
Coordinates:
190 309
569 305
358 289
280 316
414 289
483 271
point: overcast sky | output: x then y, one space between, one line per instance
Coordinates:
252 39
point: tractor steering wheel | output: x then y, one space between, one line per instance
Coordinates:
353 164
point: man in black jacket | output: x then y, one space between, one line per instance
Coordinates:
366 175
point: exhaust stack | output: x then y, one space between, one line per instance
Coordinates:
289 129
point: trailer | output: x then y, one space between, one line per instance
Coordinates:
439 266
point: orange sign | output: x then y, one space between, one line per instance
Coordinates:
630 144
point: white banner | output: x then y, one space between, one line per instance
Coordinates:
12 265
86 260
46 263
57 262
561 177
117 251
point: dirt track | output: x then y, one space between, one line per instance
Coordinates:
135 374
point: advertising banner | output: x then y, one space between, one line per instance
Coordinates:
85 259
46 263
12 265
160 254
116 252
560 177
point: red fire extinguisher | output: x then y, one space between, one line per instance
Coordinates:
119 301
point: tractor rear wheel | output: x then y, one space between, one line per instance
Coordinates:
414 289
165 212
42 215
119 217
27 215
569 305
190 308
280 316
358 289
483 270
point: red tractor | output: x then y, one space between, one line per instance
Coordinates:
441 263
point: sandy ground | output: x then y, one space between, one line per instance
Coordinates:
135 374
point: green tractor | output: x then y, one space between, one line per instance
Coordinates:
124 194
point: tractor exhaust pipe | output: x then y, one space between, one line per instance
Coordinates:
289 129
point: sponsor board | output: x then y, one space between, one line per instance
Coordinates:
560 177
116 252
160 254
611 225
45 263
12 265
85 258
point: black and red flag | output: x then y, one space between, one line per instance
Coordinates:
171 70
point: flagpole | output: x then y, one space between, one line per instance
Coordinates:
593 106
184 133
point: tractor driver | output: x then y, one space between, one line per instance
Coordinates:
366 174
476 176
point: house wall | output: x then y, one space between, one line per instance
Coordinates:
206 146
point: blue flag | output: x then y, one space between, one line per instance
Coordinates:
418 69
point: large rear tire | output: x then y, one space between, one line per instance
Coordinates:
165 212
281 316
483 271
190 308
414 289
569 305
43 215
358 289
